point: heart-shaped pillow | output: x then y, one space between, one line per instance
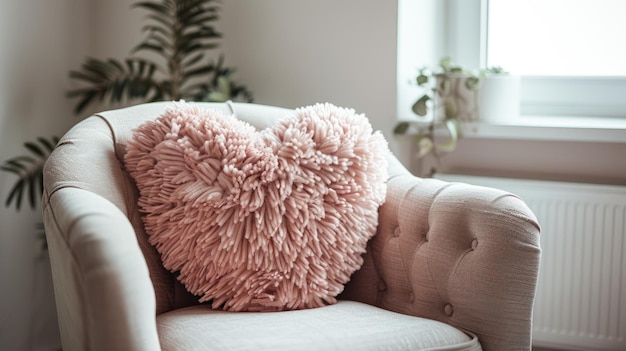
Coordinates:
260 221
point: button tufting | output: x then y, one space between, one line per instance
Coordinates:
382 286
474 244
396 232
448 310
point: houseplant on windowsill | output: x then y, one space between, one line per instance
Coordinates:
180 33
451 96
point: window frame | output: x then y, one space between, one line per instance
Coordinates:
460 31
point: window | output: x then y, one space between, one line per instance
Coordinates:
557 37
569 53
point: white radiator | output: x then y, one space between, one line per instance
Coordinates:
581 294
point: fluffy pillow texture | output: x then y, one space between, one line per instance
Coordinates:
260 220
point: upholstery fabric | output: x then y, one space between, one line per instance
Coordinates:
459 254
361 327
452 252
260 220
101 281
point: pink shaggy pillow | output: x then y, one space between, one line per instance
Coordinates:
260 221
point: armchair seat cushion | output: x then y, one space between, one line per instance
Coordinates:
347 325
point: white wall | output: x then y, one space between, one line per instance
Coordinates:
297 53
586 162
40 42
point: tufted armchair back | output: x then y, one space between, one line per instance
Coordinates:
463 255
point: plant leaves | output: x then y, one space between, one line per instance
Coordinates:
152 7
222 91
34 148
199 18
401 128
152 28
425 145
179 32
443 85
86 98
445 63
456 69
450 108
422 79
16 195
17 165
454 129
165 21
190 62
199 71
133 78
29 171
149 47
33 184
187 9
472 83
420 107
48 144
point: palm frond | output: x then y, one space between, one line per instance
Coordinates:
162 8
29 172
204 70
179 32
186 10
114 80
239 92
192 47
220 87
200 17
192 60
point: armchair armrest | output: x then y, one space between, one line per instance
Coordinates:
457 253
105 299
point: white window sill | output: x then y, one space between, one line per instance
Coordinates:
587 129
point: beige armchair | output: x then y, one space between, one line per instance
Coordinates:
452 266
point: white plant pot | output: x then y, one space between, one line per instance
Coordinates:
499 98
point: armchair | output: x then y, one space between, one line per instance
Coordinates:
452 266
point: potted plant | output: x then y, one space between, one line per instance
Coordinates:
180 33
451 96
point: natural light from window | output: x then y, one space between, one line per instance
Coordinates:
558 37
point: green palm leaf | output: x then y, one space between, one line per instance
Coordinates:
115 80
161 8
29 172
200 18
220 87
179 32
